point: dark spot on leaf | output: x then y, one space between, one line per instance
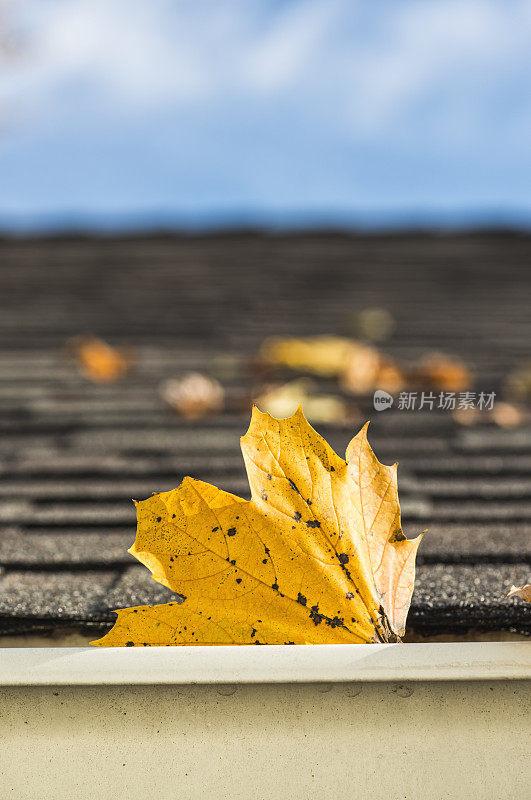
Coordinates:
269 477
215 529
293 486
343 558
238 580
297 515
233 561
315 616
264 561
274 586
253 633
332 469
313 523
129 644
301 599
231 532
159 519
350 595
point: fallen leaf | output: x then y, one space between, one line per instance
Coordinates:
507 415
194 395
282 401
367 369
98 361
518 384
521 591
316 556
321 355
359 366
390 378
374 324
361 369
467 416
438 371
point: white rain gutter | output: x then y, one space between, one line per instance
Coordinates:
75 666
444 720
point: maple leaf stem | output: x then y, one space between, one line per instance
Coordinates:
388 636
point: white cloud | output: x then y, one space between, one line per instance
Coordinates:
280 57
291 103
444 47
366 67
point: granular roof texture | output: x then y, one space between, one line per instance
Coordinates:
73 453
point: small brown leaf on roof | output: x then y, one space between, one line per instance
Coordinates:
374 324
520 591
507 415
518 383
439 371
194 395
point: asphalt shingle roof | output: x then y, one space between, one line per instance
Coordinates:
74 453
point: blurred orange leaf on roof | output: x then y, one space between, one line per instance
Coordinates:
439 371
99 361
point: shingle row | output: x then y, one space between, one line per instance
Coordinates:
73 453
447 599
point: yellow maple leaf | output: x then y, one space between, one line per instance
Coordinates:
317 556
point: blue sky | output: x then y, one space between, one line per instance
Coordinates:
121 112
